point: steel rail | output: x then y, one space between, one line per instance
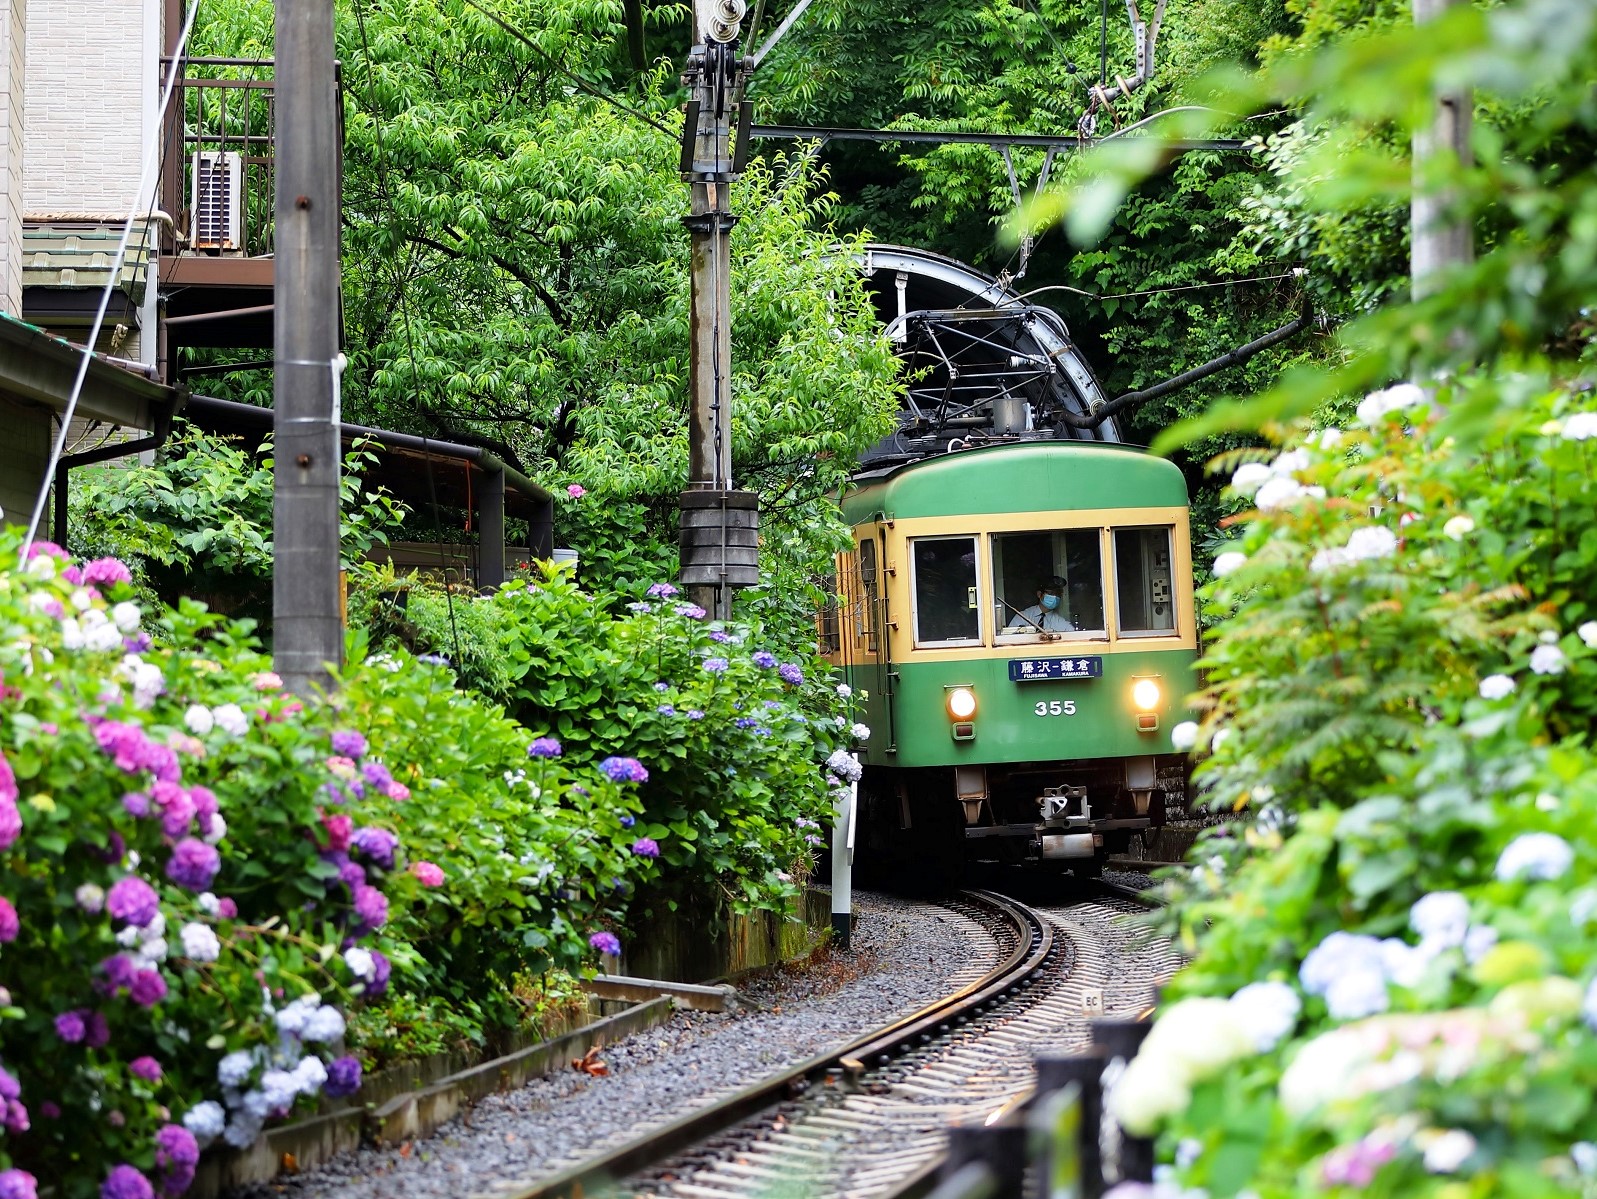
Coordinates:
1034 943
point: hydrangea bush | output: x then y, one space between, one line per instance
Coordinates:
1394 987
203 876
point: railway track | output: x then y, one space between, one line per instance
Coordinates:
865 1119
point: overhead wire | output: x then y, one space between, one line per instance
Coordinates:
115 271
404 315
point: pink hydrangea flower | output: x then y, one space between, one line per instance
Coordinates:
428 874
576 491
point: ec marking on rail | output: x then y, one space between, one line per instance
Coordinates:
1092 1001
1040 670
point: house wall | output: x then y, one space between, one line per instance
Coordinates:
13 44
24 453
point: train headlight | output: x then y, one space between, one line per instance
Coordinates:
1145 694
961 703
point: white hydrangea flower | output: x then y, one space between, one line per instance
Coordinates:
1588 634
1536 856
844 690
1277 492
1330 559
1584 1155
1442 917
126 616
206 1121
230 719
1357 994
1370 542
198 719
234 1069
310 1074
1582 426
218 830
1478 942
1458 528
152 951
42 567
1269 1009
208 903
242 1129
280 1088
326 1023
1320 1072
1330 438
291 1018
1249 477
1220 739
1227 562
102 636
1547 659
199 942
1184 736
360 962
1376 406
1497 686
1340 953
1290 462
71 630
1447 1151
81 600
1143 1096
860 732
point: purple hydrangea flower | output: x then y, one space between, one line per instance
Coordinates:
18 1184
137 644
133 901
666 710
124 1182
691 611
14 1116
662 687
745 722
605 943
763 659
10 924
720 636
193 864
118 970
176 1155
148 988
544 747
640 607
624 770
69 1026
791 674
382 968
694 714
661 591
646 847
377 774
715 665
343 1077
349 744
371 905
146 1068
378 844
10 1088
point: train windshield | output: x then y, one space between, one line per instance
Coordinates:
1144 600
1062 563
947 611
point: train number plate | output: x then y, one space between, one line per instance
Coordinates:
1037 670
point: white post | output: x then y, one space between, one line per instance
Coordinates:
843 867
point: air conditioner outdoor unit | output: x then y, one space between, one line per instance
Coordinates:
218 191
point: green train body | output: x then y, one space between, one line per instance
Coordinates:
1059 762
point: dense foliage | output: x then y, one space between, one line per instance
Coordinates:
1394 982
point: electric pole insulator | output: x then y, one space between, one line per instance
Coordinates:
726 20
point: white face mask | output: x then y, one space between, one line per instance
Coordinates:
1050 602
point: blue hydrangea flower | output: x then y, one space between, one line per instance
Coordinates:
745 722
694 714
624 770
666 710
662 686
628 821
764 659
716 665
720 636
605 943
640 607
791 674
661 591
691 611
544 747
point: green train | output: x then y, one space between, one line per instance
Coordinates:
1016 623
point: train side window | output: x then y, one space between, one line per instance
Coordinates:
946 594
1144 594
828 622
1023 561
868 593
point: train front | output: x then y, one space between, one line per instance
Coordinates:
1019 624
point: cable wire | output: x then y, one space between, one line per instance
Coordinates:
105 295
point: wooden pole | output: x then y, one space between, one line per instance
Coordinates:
1440 237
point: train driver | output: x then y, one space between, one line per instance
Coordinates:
1045 615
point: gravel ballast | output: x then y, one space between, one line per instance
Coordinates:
902 958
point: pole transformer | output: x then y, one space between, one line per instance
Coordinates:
720 525
307 632
1440 236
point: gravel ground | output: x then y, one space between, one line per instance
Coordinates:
1131 878
901 958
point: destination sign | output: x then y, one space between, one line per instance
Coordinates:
1039 670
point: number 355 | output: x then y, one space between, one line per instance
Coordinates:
1054 707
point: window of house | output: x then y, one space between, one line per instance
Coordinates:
1144 595
1070 560
945 590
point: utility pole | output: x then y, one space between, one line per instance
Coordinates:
720 525
308 635
1439 236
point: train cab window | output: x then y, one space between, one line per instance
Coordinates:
1071 560
1144 596
947 607
828 623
